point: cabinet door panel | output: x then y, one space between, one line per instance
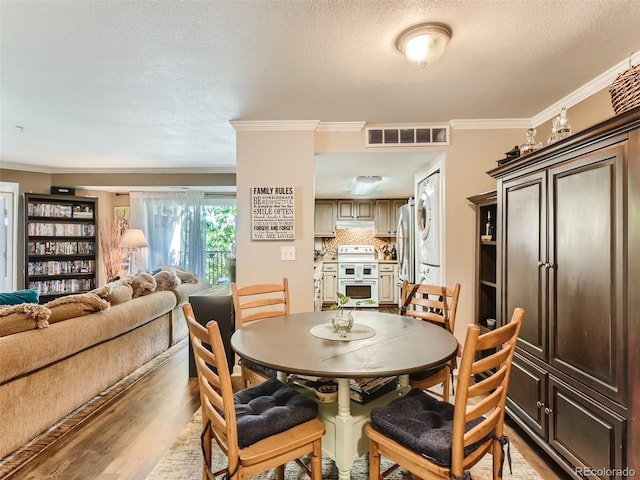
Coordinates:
524 229
585 313
527 394
325 218
346 210
364 210
382 218
583 431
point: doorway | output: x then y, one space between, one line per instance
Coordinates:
8 236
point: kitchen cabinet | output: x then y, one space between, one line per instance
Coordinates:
355 209
329 282
568 237
386 217
60 244
325 218
386 283
396 287
384 214
317 287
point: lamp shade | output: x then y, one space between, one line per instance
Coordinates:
424 43
364 185
133 238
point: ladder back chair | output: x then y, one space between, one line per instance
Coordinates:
434 439
257 302
253 441
436 304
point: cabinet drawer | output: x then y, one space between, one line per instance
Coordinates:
385 267
329 267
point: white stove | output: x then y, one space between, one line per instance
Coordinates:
358 274
356 253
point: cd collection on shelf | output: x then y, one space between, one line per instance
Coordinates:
362 390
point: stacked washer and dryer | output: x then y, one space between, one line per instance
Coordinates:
428 229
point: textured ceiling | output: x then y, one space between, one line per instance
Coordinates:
154 84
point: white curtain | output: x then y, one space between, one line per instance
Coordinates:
175 227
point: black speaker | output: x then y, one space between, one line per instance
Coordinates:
63 191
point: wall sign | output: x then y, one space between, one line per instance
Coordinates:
272 213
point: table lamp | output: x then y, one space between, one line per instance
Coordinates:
132 240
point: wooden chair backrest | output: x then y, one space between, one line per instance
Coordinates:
433 303
216 391
495 362
255 302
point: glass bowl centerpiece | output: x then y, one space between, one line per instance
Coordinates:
343 319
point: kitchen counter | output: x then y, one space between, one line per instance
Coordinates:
334 260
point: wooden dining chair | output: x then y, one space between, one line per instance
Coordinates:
253 438
257 302
436 304
434 439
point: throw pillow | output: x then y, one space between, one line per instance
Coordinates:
167 280
102 292
22 317
121 292
184 275
116 292
143 284
77 305
19 296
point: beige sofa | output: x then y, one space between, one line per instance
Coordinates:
47 373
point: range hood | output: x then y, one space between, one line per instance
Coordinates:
355 224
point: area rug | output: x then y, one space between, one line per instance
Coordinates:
183 461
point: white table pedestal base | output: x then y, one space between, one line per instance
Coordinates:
345 440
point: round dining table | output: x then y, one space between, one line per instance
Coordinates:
379 345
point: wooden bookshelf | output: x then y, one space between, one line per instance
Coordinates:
61 248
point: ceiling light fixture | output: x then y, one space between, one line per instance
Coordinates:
364 185
424 43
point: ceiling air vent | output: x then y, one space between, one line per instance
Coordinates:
406 136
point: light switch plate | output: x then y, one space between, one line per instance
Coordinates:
287 253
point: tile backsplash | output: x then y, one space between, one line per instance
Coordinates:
353 236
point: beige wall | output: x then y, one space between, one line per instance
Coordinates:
583 115
469 156
267 158
286 158
33 182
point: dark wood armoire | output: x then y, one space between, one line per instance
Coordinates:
569 254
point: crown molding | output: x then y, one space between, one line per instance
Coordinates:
604 80
490 123
585 91
340 126
274 125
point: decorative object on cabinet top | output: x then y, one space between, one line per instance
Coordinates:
532 144
510 155
625 89
560 127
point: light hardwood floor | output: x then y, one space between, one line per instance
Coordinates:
126 438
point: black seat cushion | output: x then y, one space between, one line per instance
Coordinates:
270 408
270 372
421 423
426 373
